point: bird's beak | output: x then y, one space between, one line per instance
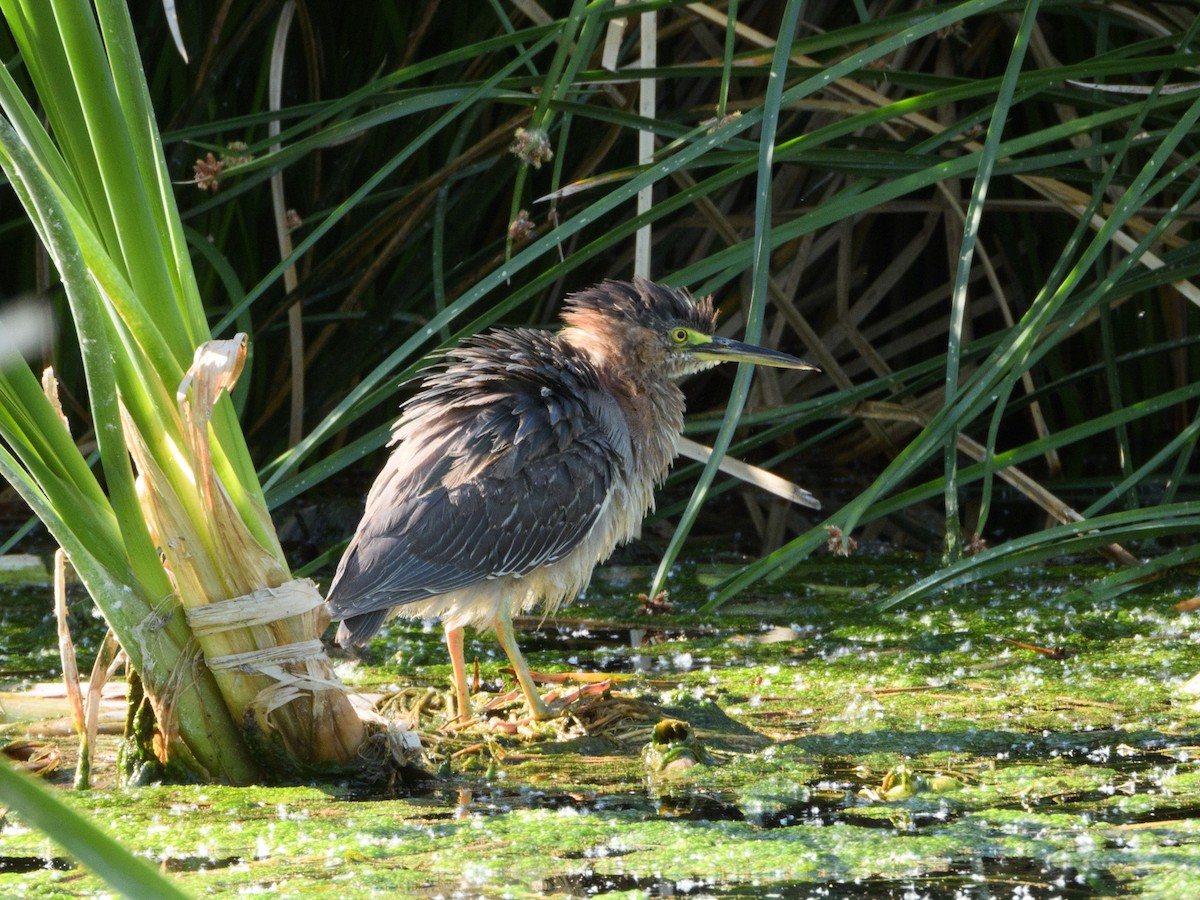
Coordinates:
723 349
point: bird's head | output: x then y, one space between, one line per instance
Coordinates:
658 329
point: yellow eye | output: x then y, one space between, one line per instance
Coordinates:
679 335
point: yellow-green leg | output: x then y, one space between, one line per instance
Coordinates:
508 641
462 696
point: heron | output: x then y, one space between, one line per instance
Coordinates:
523 459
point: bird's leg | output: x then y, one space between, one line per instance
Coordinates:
508 641
462 696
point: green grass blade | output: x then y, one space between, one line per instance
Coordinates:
758 297
83 838
1068 539
966 255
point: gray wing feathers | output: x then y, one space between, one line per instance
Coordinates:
503 463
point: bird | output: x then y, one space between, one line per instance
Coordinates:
522 460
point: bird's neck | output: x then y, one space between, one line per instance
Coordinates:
651 401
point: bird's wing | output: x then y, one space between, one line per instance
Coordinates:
503 464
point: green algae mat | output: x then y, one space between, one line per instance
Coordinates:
1014 739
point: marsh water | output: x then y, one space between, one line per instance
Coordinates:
1016 739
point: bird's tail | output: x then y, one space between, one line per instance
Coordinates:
358 630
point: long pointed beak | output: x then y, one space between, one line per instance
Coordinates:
723 349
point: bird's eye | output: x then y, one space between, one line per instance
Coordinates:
679 335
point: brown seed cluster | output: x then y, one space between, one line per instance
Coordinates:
208 170
532 147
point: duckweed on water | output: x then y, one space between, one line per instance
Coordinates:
1025 773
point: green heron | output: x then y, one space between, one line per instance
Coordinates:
523 460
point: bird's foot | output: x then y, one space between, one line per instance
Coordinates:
539 711
575 694
546 708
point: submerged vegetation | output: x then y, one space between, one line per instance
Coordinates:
934 753
976 217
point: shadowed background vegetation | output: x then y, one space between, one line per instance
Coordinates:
1043 375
